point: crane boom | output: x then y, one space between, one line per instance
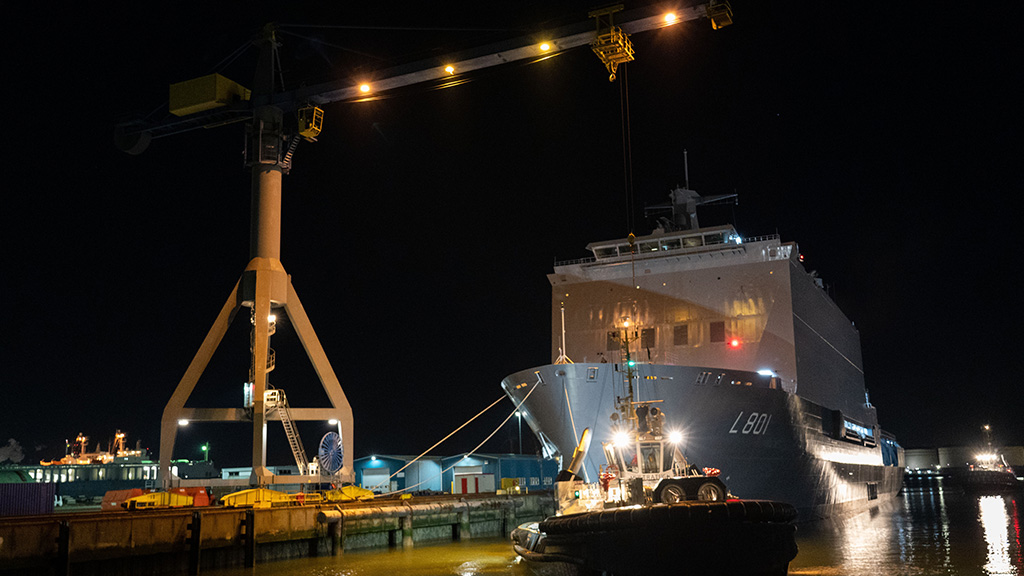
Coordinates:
133 135
265 286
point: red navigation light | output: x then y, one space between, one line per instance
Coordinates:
734 343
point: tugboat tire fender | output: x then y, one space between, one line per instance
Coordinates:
670 492
710 492
682 513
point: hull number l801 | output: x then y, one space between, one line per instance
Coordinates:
756 423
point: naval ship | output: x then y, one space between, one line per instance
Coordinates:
741 349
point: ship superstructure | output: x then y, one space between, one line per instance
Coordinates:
756 365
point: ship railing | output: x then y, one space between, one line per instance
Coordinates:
764 238
690 251
587 260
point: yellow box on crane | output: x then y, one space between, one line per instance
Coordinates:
720 14
311 122
205 93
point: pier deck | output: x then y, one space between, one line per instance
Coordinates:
181 541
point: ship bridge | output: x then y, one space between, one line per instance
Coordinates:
661 244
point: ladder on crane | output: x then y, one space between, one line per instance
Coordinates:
276 400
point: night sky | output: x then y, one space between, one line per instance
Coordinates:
418 231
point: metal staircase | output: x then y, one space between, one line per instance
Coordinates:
276 400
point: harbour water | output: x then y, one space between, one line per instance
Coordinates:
922 532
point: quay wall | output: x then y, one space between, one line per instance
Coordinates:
183 541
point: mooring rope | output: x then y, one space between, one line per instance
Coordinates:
468 454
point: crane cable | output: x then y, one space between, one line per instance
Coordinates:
627 169
627 152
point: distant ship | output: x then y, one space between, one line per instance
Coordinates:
85 476
740 347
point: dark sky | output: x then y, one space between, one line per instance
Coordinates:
419 229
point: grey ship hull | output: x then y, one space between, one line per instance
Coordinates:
708 312
768 443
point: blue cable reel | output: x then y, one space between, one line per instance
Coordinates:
331 453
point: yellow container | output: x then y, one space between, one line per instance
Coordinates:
205 93
158 500
348 494
256 498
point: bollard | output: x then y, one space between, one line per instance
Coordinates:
194 543
249 538
62 563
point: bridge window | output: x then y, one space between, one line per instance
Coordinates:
671 244
613 341
681 335
717 238
650 458
717 331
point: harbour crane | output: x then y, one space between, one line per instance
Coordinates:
264 286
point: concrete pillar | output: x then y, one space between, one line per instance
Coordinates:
337 542
405 522
465 528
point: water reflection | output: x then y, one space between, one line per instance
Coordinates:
923 528
919 533
995 521
483 557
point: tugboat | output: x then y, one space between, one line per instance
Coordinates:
648 453
653 512
989 473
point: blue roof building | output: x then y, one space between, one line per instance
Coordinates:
378 473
